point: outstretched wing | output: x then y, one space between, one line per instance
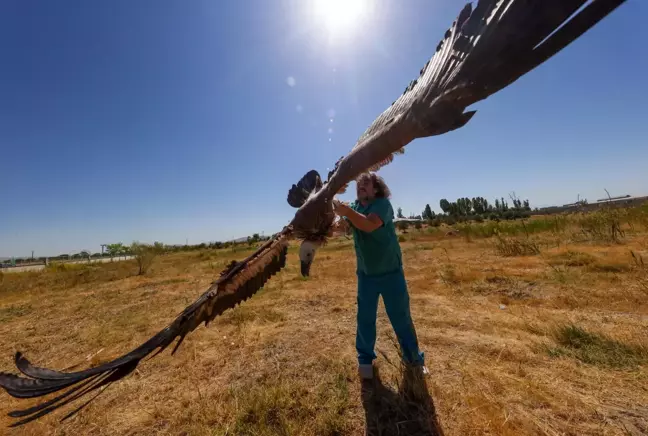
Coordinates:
486 49
238 282
299 193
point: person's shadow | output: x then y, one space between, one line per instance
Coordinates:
408 411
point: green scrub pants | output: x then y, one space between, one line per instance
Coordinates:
393 288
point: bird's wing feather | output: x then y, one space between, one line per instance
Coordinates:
486 49
238 282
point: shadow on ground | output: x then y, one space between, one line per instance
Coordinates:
408 411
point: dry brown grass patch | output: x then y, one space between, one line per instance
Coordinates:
14 311
512 246
572 258
596 348
284 361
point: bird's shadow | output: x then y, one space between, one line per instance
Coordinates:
409 410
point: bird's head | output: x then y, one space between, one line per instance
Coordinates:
306 255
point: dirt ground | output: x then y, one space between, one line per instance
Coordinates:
546 342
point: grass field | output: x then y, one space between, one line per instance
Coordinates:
534 329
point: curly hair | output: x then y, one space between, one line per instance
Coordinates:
382 190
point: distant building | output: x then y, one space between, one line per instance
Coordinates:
624 200
614 198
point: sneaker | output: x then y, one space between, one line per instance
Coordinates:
366 371
421 371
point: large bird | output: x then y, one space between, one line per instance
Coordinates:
487 48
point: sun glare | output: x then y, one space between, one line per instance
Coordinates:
340 15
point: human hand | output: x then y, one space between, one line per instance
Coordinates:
340 209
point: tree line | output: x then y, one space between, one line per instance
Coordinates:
119 249
475 209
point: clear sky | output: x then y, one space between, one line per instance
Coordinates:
171 120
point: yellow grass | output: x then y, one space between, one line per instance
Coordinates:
539 344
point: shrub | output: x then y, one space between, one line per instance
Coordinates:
402 225
144 255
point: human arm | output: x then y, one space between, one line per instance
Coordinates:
366 223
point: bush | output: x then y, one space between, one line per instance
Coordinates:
144 255
402 225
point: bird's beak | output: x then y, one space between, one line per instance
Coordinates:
305 268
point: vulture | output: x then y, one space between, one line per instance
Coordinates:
488 46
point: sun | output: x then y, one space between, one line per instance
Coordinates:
340 16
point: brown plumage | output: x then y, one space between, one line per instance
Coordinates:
486 49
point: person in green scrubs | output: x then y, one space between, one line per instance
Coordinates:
379 271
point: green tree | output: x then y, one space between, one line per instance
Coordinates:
476 204
253 239
454 209
427 213
526 205
399 213
116 249
480 205
444 205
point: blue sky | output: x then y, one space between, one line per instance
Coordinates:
173 120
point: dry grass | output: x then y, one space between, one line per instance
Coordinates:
549 343
596 349
516 247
